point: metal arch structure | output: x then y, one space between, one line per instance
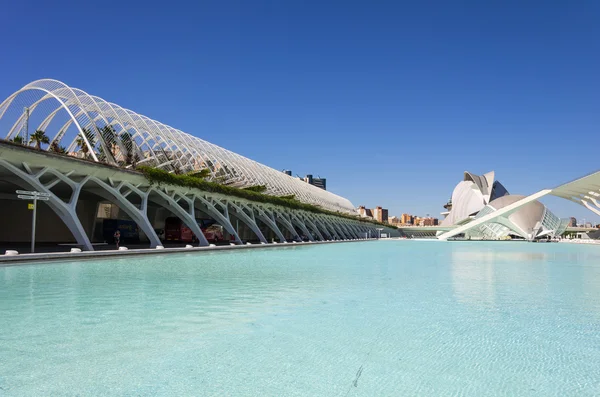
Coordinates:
105 132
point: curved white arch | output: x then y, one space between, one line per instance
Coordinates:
158 144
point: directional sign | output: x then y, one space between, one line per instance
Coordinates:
35 197
39 194
41 198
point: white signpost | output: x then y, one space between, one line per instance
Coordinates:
35 197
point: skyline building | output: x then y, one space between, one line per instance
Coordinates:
380 214
321 183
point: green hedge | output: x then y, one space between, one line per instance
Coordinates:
158 176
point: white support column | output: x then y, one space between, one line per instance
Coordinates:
346 227
336 225
327 226
239 212
300 223
219 217
263 216
66 212
314 227
138 215
287 224
356 228
188 219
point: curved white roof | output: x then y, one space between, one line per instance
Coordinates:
470 196
121 137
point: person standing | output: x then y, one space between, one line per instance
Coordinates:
117 237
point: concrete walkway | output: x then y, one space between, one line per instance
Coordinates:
7 260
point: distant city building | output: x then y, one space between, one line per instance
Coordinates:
365 212
321 183
573 222
429 221
588 224
406 219
380 214
394 221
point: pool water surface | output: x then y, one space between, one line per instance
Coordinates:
379 318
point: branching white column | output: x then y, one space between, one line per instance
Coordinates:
337 227
223 219
279 216
239 212
262 215
168 202
314 227
114 194
300 223
66 212
326 226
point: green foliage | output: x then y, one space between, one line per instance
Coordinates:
202 174
159 177
289 197
39 138
81 141
18 139
56 148
131 157
257 188
109 135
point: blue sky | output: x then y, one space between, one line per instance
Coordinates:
390 100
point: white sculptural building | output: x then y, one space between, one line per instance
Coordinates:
91 127
477 196
82 152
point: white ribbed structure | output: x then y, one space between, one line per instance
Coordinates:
88 126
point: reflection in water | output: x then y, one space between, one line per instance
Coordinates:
591 285
480 278
419 318
473 277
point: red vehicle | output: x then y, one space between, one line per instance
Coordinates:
175 230
213 233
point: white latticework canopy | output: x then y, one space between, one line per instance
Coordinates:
89 127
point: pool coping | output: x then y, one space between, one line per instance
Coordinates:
10 260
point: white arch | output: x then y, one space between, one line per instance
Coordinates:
161 145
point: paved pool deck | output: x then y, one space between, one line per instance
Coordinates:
9 260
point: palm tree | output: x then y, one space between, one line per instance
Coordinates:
131 157
56 148
18 139
81 141
109 135
39 138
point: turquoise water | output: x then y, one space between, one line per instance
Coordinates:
388 318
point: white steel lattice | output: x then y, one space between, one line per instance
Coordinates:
88 126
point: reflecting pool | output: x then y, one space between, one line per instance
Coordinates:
385 318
